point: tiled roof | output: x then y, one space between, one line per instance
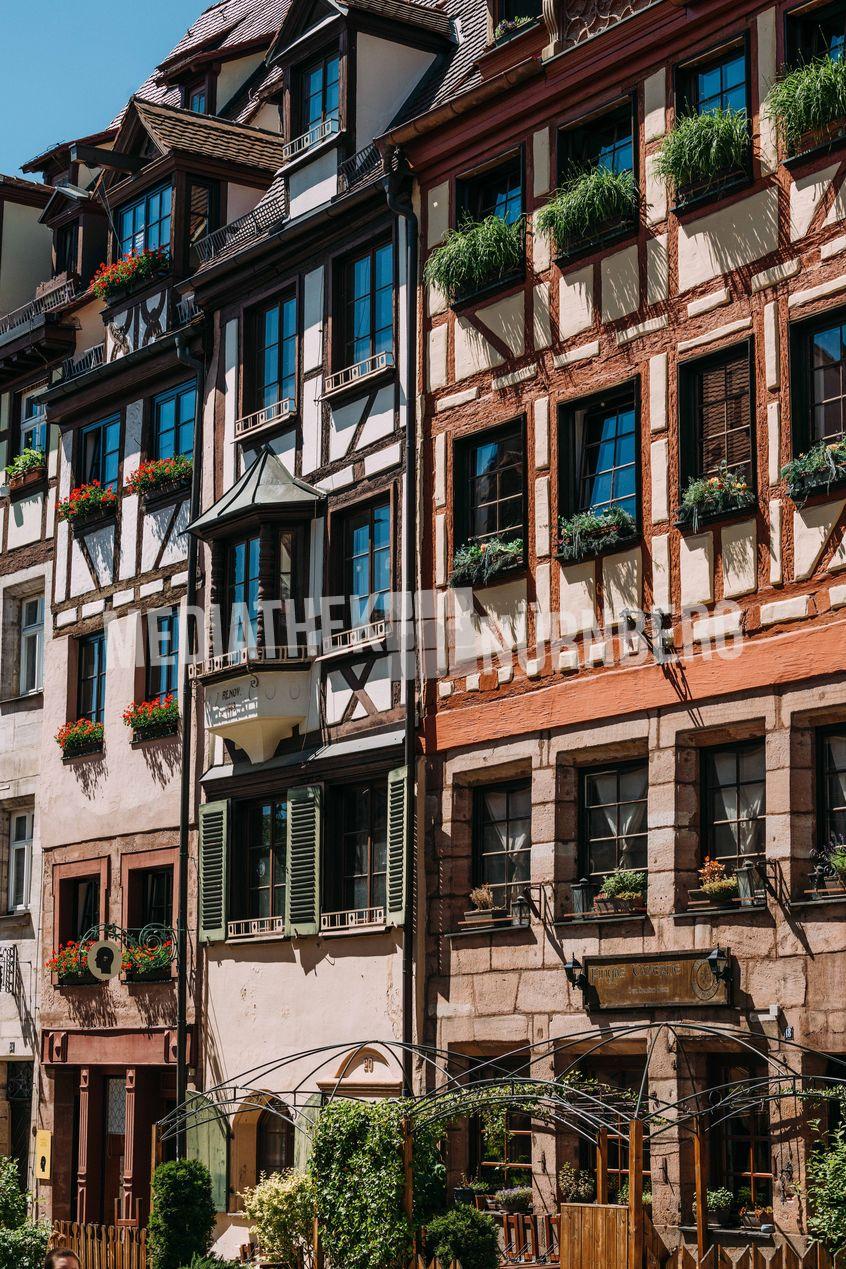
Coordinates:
226 26
173 129
457 72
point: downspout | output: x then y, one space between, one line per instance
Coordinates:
397 184
186 358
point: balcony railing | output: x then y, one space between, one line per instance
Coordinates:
45 303
73 367
256 224
261 419
365 166
186 310
366 369
256 928
234 660
355 919
357 637
313 137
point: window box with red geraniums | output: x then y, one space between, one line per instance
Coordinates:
86 503
160 475
152 719
148 964
81 737
114 280
70 964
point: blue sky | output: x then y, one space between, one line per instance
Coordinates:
68 66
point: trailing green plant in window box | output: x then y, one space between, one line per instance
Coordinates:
703 150
808 104
708 496
816 469
29 464
474 256
588 532
508 28
480 563
588 206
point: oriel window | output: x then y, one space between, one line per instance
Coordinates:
174 420
92 677
612 814
368 304
243 592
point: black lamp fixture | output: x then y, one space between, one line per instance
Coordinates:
720 964
576 975
520 909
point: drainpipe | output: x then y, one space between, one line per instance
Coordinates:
397 184
186 358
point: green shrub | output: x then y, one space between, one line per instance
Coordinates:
624 883
23 1244
590 531
588 202
281 1210
576 1185
27 460
710 495
211 1262
516 1199
816 469
826 1192
704 149
808 99
474 256
357 1165
479 563
466 1235
182 1219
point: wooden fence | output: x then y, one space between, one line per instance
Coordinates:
102 1246
783 1257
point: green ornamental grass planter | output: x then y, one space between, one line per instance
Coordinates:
475 256
705 154
808 105
820 467
588 209
589 532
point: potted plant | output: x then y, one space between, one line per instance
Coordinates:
752 1215
161 476
517 1199
508 28
87 504
818 468
484 910
69 963
480 563
722 1207
623 890
151 720
148 963
589 207
717 886
464 1191
830 871
80 737
576 1185
111 281
589 532
624 1192
475 256
705 153
808 105
709 496
29 467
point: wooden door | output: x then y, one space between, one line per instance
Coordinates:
114 1146
594 1234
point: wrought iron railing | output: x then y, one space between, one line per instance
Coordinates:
361 370
354 919
73 367
186 309
313 137
45 303
256 224
283 655
365 166
271 414
255 928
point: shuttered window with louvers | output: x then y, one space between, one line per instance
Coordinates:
214 851
303 888
724 415
397 837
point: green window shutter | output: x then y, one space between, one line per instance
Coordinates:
302 893
397 801
214 870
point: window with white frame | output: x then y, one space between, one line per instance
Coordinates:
31 661
20 859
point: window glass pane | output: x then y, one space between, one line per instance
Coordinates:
608 457
495 486
734 803
613 814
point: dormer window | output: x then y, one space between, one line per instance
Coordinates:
144 225
67 239
319 97
198 100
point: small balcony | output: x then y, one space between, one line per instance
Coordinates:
90 359
263 420
270 214
36 332
350 377
256 697
361 920
309 140
254 929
